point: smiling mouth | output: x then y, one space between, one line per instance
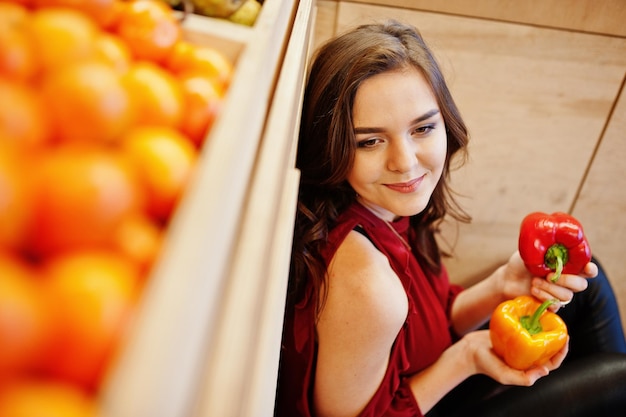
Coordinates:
406 187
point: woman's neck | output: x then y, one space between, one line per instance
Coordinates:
385 215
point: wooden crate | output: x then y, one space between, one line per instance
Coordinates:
170 363
240 377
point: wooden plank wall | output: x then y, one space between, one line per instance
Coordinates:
541 87
591 16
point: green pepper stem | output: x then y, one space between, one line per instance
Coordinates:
559 269
531 323
556 257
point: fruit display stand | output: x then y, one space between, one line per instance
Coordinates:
207 336
241 371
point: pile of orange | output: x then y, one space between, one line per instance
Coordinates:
103 110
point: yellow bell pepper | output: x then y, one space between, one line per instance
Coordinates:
524 334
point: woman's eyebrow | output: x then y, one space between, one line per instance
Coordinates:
425 116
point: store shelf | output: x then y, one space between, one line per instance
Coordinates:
242 366
162 364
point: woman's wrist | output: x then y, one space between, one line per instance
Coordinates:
499 283
462 356
453 366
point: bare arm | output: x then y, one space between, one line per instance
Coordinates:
470 356
364 311
473 306
357 326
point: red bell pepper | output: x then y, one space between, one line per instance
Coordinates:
553 243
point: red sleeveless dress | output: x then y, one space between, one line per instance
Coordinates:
425 334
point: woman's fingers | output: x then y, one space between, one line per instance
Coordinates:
553 363
559 357
591 270
545 290
575 283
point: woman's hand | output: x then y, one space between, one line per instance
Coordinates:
472 355
564 288
516 280
488 363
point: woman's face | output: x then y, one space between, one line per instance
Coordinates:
400 143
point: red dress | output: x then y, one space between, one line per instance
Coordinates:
424 336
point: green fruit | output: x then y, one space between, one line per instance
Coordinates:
246 14
216 8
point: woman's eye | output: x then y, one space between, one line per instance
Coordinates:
422 130
367 143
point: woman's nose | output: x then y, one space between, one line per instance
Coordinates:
402 155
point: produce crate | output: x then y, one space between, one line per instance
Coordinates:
240 374
213 301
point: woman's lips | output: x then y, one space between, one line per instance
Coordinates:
406 187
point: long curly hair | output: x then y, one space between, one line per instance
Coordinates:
327 145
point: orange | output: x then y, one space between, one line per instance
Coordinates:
103 12
203 101
30 397
15 198
80 197
14 13
23 316
93 295
62 36
113 50
23 122
156 94
87 102
186 57
139 238
17 53
164 159
149 27
25 3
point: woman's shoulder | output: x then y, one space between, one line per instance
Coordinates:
365 309
362 282
355 216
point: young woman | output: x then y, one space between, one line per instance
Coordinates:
373 327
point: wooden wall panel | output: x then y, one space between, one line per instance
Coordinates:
535 101
596 16
601 206
326 13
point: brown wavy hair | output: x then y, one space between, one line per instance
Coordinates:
327 144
